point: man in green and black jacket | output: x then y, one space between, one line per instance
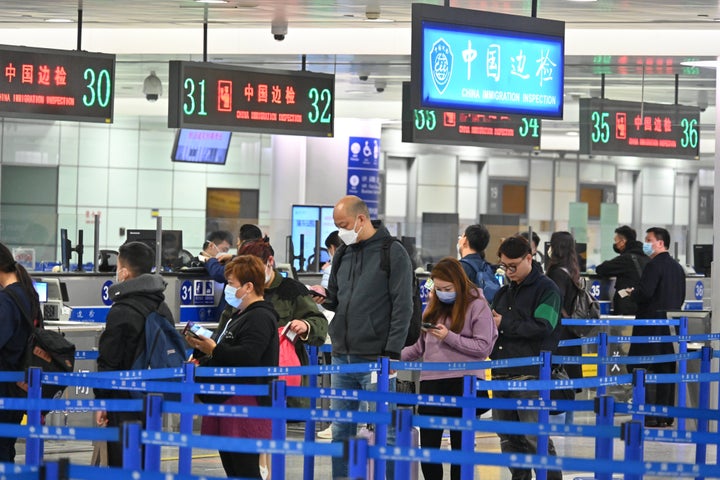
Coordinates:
526 311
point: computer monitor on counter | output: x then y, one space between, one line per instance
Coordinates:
171 244
702 258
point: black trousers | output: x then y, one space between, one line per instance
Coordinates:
7 444
243 465
115 450
432 438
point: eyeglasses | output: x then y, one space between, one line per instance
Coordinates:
508 268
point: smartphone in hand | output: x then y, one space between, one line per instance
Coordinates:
429 325
196 330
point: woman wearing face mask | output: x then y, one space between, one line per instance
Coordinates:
463 331
248 339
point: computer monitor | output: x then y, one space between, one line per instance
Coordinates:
702 258
42 290
171 245
66 250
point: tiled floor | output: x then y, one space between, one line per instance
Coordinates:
208 463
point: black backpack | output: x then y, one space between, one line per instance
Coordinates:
47 349
415 326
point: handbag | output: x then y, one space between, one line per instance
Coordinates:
559 373
288 358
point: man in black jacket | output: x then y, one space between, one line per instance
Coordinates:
627 268
526 311
136 291
661 289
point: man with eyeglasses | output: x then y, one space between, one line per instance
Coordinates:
526 311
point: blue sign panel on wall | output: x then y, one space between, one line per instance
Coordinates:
472 60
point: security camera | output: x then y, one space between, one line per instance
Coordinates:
279 28
363 78
379 89
380 86
152 87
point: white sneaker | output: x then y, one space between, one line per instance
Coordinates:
325 434
264 472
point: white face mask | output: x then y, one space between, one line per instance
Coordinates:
349 236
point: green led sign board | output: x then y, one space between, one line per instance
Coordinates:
220 97
459 127
56 84
612 127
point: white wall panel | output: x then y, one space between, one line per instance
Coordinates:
541 177
657 210
92 186
186 195
437 170
94 145
625 209
67 186
154 190
510 167
540 205
436 199
682 211
123 149
122 188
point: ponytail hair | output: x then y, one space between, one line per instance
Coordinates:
9 265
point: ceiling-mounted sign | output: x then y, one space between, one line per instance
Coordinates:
489 62
639 129
221 97
56 84
458 127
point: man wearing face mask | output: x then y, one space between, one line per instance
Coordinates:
372 307
135 294
526 311
661 289
627 268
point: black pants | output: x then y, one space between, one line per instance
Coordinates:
7 444
432 438
243 465
662 393
115 450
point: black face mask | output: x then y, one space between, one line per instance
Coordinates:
616 249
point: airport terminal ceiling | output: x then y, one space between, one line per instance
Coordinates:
367 77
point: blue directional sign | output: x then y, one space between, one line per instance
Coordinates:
482 61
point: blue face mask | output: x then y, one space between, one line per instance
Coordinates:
446 297
647 248
230 297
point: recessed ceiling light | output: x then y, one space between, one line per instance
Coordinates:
211 1
58 20
572 133
379 20
701 63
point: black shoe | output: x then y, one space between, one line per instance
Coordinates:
652 422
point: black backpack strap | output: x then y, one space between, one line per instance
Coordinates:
637 264
20 306
385 257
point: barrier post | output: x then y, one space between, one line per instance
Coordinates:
309 461
186 420
131 445
631 433
381 429
638 393
467 437
279 401
544 414
703 405
153 423
356 454
605 412
602 368
682 367
402 419
34 446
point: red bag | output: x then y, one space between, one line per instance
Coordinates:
288 358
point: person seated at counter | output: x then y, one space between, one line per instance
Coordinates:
218 242
627 268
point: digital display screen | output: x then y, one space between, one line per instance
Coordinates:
304 220
201 146
639 129
458 127
56 84
42 290
221 97
489 62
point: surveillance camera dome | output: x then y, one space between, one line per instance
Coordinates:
279 28
379 89
363 78
372 14
152 87
380 86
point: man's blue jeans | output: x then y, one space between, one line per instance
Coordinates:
341 431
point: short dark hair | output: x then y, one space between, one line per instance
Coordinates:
478 237
516 246
137 257
660 234
220 236
535 237
333 240
627 233
248 232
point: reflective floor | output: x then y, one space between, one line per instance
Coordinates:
208 463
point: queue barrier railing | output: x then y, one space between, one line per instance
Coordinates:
153 437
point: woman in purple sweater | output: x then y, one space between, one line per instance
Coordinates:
463 331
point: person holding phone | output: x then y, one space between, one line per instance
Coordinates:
457 327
